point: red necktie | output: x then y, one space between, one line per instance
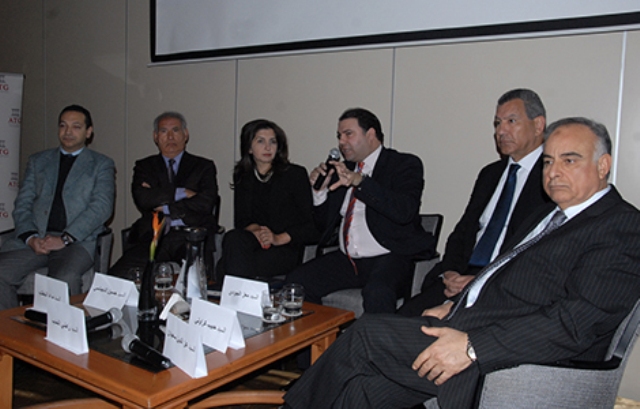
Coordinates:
348 218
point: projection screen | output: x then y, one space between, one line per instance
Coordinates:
217 29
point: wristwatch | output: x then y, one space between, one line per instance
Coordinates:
67 239
471 353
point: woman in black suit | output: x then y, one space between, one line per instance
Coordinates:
272 207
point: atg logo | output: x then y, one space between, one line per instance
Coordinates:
3 85
13 181
4 151
15 119
3 213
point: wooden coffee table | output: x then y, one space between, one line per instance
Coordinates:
133 387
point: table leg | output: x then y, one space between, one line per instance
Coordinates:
319 347
6 386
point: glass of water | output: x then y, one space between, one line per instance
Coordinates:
292 299
163 284
271 307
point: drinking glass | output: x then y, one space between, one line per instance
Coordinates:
163 284
292 296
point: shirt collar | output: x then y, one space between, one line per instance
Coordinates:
573 211
177 160
370 161
529 161
76 153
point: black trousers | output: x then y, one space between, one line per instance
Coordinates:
369 366
383 279
243 256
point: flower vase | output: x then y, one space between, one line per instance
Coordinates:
147 307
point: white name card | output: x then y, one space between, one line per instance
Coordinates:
243 295
49 292
218 326
66 328
108 292
183 346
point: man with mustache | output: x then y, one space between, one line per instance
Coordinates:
504 194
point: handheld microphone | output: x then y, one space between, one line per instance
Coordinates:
334 154
132 344
109 317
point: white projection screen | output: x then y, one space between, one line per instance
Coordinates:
183 30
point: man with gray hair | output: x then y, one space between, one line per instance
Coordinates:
179 185
558 293
504 195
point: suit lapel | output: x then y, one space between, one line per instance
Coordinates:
82 162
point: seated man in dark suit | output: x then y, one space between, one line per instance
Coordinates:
505 193
568 280
181 186
374 198
65 199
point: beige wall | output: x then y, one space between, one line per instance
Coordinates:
436 101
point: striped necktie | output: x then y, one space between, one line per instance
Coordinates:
348 218
472 290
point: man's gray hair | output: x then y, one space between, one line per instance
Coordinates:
603 141
532 103
167 115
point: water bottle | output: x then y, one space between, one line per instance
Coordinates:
194 284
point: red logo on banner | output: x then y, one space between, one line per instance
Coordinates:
4 87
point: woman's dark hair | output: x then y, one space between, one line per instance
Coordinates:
246 163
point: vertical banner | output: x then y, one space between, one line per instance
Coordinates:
10 119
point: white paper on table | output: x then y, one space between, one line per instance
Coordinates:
243 295
218 326
49 291
108 292
66 327
183 346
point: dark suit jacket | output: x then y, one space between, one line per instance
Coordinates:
288 207
392 197
195 173
560 300
462 240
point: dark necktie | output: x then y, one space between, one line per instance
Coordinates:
57 214
468 297
486 245
348 218
172 172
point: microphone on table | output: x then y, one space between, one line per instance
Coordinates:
132 344
109 317
334 154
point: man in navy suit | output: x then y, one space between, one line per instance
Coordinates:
559 297
373 198
519 125
65 200
181 186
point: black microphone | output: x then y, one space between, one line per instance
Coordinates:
334 154
132 344
109 317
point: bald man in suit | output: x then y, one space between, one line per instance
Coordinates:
555 295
